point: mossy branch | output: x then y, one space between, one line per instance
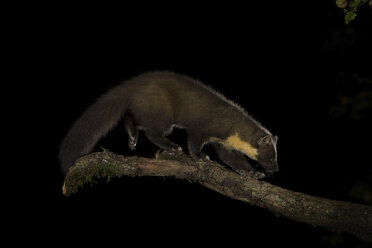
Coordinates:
336 215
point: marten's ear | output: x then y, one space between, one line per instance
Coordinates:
275 138
265 140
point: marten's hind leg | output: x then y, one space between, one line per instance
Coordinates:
132 130
161 141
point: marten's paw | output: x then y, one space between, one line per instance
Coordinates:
172 152
168 153
254 174
203 157
132 143
258 175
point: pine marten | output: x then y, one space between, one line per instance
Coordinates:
155 102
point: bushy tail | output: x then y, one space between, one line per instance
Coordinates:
94 124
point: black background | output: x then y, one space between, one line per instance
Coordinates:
285 63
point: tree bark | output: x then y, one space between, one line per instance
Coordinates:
317 211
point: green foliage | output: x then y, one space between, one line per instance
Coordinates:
349 16
341 3
350 7
354 3
362 191
357 104
354 107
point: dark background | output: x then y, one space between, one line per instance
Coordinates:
298 69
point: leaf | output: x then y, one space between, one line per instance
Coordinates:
350 15
370 3
354 3
341 3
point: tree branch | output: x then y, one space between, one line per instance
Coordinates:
336 215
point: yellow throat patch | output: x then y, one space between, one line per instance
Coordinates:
236 143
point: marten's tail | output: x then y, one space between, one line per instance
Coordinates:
94 124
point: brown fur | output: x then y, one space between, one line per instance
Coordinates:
155 102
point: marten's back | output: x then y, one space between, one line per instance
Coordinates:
179 96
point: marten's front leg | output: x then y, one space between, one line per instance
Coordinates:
195 144
132 130
237 161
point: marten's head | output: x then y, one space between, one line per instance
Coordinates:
261 149
266 153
